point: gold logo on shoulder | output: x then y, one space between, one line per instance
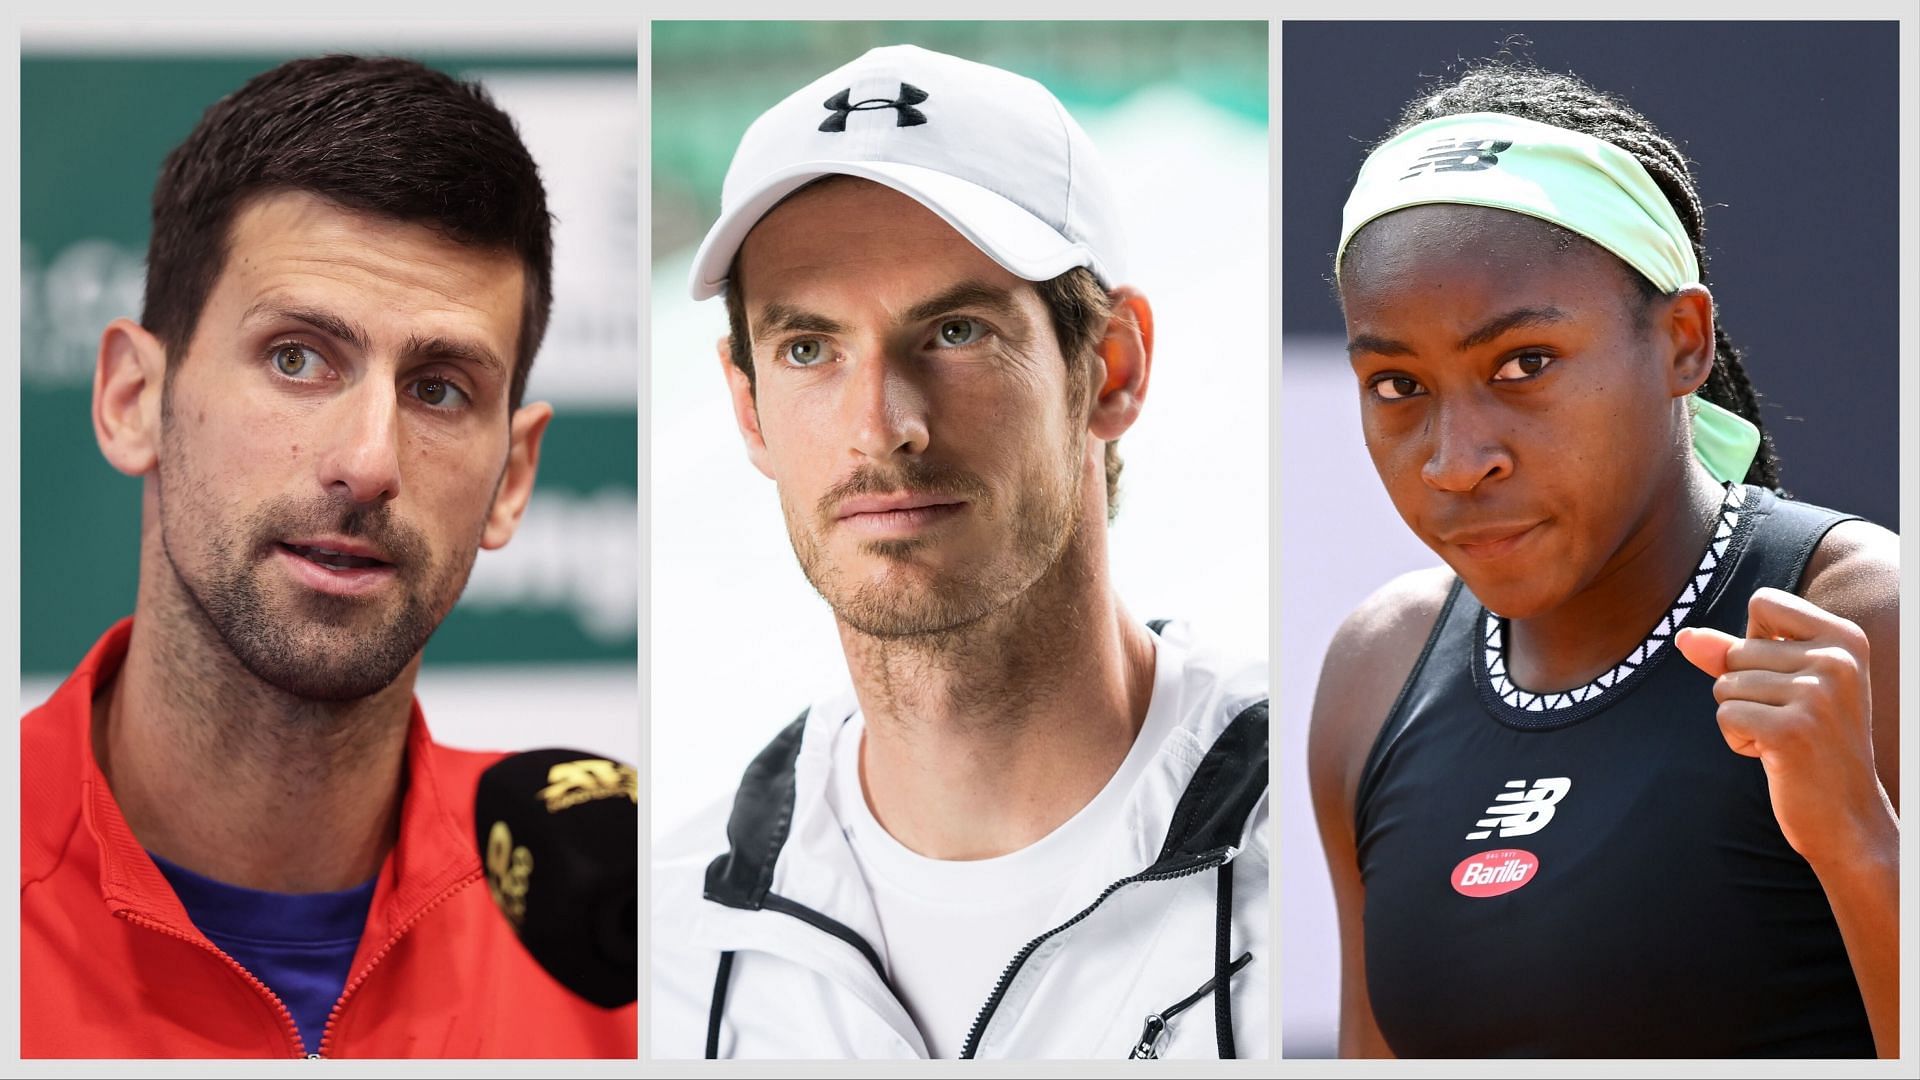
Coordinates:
509 872
571 783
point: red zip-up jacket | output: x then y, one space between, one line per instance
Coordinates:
111 966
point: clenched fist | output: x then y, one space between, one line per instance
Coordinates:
1795 693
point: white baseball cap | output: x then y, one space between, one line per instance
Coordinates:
993 153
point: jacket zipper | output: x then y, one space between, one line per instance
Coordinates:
286 1017
1156 1027
326 1033
1202 862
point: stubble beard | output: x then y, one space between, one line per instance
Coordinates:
1045 519
311 646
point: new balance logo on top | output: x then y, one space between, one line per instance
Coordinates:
1521 810
907 115
1465 155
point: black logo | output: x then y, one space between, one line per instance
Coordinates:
904 105
1466 155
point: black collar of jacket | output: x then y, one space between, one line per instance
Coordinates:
1211 814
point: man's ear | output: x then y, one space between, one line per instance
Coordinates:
525 430
1684 325
1126 351
128 378
745 412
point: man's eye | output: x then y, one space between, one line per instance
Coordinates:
956 332
1394 387
440 393
297 361
805 352
1524 366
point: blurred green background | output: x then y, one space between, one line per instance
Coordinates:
1178 112
94 129
711 79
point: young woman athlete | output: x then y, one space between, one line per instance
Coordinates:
1615 780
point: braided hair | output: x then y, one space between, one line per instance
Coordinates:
1566 101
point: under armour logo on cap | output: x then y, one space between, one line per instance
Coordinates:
1466 155
908 116
993 153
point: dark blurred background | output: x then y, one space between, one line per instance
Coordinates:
1792 128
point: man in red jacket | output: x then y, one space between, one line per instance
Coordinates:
238 838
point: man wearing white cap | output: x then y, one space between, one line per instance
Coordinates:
1032 826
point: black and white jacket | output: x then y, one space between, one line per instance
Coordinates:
761 922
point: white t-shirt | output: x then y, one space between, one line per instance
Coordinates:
950 927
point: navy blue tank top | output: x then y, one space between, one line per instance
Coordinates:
1594 873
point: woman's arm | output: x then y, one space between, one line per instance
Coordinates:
1370 657
1813 691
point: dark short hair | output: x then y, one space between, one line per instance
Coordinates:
382 135
1077 306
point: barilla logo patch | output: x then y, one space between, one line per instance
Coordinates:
1491 873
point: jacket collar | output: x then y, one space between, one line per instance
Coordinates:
1195 798
788 855
432 853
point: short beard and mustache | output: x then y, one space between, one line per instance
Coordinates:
1046 517
309 645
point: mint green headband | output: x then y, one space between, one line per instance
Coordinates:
1574 180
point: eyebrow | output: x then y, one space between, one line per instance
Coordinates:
1518 318
777 318
973 294
467 352
782 318
324 321
438 348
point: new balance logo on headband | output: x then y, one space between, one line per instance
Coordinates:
1465 155
908 116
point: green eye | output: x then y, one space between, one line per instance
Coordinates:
295 361
959 332
803 353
